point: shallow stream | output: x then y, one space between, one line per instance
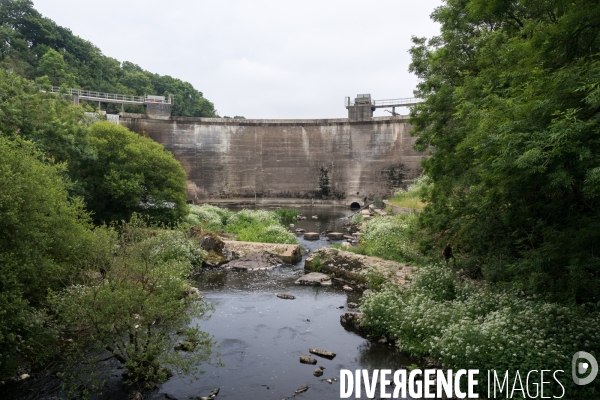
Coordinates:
260 336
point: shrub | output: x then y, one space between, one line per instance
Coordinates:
392 238
481 328
267 234
210 217
287 215
411 197
132 309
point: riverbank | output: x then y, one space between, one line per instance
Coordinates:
451 317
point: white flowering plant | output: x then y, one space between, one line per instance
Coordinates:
466 326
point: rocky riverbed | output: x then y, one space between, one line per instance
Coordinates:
263 322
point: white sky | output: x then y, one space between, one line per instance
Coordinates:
261 58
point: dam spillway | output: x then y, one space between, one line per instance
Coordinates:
318 161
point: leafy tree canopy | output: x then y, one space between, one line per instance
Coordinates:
43 236
34 46
131 173
512 116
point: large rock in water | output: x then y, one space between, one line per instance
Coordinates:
254 261
335 235
312 236
351 320
217 252
288 253
314 279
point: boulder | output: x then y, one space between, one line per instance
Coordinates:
311 236
365 212
351 319
335 235
318 372
285 296
288 253
322 353
218 254
304 359
352 305
299 230
301 389
314 279
347 288
254 261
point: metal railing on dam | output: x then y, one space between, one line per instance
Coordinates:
110 97
386 103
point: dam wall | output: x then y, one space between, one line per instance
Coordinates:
319 161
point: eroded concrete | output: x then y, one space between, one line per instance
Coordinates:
332 161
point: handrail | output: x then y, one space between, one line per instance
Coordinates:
391 102
387 102
89 94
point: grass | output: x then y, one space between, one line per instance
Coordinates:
287 215
411 197
249 225
407 199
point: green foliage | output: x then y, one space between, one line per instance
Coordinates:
248 225
464 326
411 197
43 236
52 65
45 119
287 215
133 307
511 117
317 263
131 173
210 217
33 46
357 218
393 238
375 279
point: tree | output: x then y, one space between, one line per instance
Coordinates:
132 308
511 117
33 46
131 173
43 236
52 65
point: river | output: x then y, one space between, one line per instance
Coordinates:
260 337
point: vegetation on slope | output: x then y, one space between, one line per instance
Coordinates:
512 116
248 225
34 46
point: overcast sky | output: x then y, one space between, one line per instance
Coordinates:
261 58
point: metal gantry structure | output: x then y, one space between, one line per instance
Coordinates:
364 102
100 97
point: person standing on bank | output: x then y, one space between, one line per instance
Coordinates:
447 254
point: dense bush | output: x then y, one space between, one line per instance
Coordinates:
411 197
210 217
248 225
511 120
43 237
131 173
392 238
33 46
465 326
132 307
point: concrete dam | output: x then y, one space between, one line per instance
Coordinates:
318 161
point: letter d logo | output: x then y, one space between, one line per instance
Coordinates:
582 367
